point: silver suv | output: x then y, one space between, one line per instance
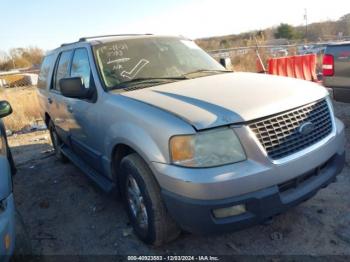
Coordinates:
188 144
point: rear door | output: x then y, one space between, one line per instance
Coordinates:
340 81
44 83
59 111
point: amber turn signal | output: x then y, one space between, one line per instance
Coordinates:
182 148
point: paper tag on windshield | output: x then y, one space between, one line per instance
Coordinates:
190 44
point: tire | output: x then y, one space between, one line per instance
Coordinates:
160 228
57 143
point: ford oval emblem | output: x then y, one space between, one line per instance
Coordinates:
306 128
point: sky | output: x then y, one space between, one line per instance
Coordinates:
48 23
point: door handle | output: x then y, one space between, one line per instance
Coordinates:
50 100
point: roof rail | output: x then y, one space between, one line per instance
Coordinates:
100 36
64 44
82 39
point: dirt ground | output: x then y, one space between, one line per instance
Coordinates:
65 213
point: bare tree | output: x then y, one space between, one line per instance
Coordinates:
21 58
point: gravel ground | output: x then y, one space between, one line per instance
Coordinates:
65 213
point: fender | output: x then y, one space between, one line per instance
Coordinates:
137 138
148 135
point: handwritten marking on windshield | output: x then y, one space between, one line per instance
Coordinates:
117 67
120 60
137 68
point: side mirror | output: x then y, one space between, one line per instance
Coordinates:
226 62
74 87
5 109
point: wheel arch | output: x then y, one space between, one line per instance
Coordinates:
120 151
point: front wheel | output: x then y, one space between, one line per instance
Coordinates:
142 199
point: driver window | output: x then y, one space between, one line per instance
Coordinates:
81 66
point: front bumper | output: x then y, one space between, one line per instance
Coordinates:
196 216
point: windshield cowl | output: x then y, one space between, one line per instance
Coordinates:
146 82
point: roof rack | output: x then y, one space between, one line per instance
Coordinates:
82 39
100 36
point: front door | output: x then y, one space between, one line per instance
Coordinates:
84 127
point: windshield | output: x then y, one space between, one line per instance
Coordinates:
125 61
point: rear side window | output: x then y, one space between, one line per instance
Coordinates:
81 66
62 70
46 66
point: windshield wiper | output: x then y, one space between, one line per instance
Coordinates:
207 71
146 80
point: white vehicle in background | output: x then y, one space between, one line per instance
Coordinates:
279 51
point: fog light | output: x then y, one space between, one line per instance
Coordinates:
229 211
7 241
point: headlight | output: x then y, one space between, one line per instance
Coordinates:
206 149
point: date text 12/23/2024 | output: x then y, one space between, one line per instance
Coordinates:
173 258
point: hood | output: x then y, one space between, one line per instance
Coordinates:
229 98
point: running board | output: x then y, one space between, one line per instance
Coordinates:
104 183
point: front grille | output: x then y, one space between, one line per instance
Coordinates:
280 134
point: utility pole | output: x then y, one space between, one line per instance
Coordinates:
258 55
305 18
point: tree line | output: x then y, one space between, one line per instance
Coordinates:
314 32
17 58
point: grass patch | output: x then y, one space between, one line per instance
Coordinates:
25 105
